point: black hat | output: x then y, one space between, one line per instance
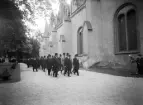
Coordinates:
56 54
139 55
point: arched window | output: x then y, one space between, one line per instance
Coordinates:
80 41
126 30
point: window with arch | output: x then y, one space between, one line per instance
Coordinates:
80 41
126 30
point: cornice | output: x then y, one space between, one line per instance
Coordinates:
59 25
67 20
78 10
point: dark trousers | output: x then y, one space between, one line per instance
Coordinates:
55 71
69 72
62 68
34 69
75 70
140 69
28 65
44 67
65 70
49 71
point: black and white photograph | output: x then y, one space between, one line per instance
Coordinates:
71 52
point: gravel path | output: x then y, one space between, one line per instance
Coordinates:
90 88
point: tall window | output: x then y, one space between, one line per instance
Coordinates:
126 30
80 41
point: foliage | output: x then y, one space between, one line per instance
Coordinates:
35 47
16 15
12 29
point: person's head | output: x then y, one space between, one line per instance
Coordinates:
76 55
56 54
69 56
139 55
60 55
63 54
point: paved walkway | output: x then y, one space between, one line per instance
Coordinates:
90 88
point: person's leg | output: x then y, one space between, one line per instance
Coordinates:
65 71
36 69
33 69
28 65
62 68
74 70
77 72
53 72
56 73
138 69
68 72
71 71
48 71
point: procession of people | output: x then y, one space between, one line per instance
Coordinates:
54 64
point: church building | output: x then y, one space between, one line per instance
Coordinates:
99 30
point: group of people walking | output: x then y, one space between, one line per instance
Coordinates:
63 63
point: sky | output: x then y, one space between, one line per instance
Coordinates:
41 24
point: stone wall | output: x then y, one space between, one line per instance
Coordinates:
66 30
98 44
101 39
77 22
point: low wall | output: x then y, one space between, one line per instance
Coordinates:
15 73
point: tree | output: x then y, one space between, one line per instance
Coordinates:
17 13
35 47
12 28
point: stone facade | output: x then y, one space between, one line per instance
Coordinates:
96 20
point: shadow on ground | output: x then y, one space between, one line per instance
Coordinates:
115 72
9 81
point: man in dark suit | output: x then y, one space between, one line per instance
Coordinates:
76 65
49 64
66 63
60 60
56 64
44 63
70 65
35 64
